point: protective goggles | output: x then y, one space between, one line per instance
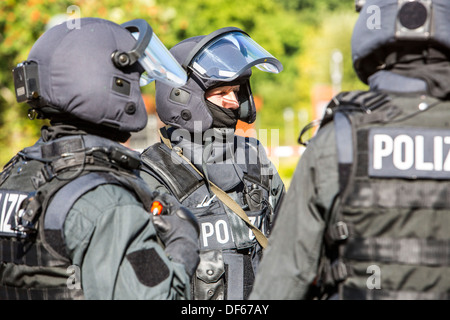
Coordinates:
227 53
152 55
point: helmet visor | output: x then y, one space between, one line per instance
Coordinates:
159 64
229 55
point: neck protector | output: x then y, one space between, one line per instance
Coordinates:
431 66
223 117
215 157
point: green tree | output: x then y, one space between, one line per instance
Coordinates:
316 5
314 63
300 33
270 24
21 23
277 29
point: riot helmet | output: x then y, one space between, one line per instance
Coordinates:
93 73
385 27
222 58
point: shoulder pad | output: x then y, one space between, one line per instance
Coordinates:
166 166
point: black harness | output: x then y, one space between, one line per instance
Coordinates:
381 220
49 178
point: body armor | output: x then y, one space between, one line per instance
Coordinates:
388 235
38 188
229 253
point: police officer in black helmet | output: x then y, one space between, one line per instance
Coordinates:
77 221
225 179
366 215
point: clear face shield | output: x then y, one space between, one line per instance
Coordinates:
153 56
228 52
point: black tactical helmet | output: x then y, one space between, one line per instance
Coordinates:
93 72
385 26
224 57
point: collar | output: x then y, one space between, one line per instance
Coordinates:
216 154
392 82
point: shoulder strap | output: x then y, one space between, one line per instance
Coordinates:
236 208
342 107
65 197
55 195
340 111
61 195
222 195
64 194
344 146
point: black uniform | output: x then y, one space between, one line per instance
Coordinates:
226 180
366 215
75 215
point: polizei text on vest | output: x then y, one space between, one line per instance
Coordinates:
409 153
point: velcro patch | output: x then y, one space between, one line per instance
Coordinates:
150 269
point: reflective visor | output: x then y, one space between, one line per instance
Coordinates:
228 55
159 64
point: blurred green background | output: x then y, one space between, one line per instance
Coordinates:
310 37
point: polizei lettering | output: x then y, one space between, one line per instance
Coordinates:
9 205
409 153
216 233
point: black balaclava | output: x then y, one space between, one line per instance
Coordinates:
223 117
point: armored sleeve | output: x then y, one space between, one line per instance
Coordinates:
289 264
110 237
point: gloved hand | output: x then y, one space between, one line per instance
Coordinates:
178 229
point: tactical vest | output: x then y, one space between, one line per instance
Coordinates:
229 252
38 187
389 233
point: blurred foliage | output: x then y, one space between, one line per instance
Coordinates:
315 5
300 33
314 62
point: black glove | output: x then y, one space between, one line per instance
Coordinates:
178 229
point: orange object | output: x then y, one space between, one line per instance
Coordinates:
156 208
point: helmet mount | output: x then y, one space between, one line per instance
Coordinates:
145 31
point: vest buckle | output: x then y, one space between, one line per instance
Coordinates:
339 271
341 230
28 212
